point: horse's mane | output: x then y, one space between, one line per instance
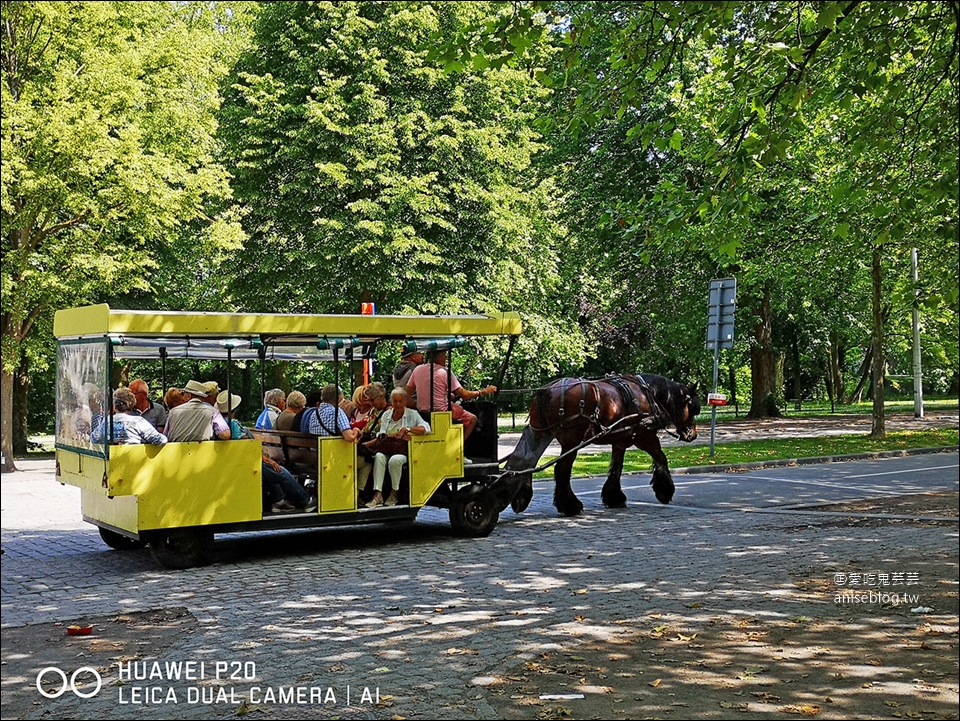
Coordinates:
667 392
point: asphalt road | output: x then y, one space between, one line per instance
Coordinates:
795 486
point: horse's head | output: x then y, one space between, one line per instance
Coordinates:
686 413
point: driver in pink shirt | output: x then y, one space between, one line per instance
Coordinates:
419 387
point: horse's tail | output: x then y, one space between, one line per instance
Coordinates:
518 491
529 450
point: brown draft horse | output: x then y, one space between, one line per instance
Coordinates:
619 410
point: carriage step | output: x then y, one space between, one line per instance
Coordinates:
480 469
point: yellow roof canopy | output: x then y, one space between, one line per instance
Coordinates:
101 320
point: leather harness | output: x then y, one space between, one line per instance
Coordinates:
619 382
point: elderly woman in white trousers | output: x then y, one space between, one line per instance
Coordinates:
399 422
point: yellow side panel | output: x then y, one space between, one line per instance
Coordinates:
82 471
121 512
435 457
189 484
338 474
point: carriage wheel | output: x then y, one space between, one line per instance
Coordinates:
119 542
473 512
182 548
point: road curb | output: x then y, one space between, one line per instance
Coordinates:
814 459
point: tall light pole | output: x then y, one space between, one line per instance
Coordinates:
917 374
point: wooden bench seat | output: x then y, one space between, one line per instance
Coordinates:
295 451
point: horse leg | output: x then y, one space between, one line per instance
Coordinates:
563 496
661 481
612 495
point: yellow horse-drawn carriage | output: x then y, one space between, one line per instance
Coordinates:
176 497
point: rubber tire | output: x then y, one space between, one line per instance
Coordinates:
473 512
119 542
182 548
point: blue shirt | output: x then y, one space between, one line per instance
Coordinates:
268 418
322 423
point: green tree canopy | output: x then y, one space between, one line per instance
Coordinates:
366 174
107 148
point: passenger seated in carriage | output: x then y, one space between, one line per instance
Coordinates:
328 419
296 402
274 402
282 493
130 428
399 423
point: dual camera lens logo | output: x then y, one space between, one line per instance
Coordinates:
68 684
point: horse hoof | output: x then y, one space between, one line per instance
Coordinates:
665 496
663 487
522 499
572 510
616 501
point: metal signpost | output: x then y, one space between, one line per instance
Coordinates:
721 309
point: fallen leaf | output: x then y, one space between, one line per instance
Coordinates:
656 682
806 709
726 704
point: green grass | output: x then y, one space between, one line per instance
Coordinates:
808 409
822 408
753 451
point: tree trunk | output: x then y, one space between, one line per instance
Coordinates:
6 420
878 427
733 390
836 367
864 373
797 384
7 366
21 396
763 364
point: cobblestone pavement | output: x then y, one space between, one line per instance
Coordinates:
425 618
